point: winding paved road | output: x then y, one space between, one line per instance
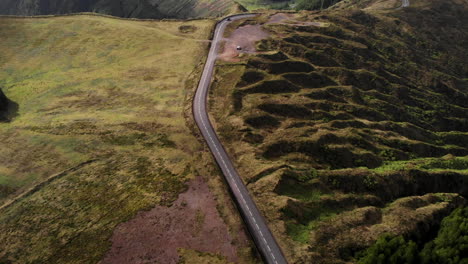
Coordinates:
404 3
264 240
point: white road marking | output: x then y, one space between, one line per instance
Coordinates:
208 68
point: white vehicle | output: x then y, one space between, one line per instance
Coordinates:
239 48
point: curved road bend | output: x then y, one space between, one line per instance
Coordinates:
264 240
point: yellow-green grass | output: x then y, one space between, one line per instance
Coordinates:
454 164
91 88
193 256
91 71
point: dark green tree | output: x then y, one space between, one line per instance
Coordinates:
391 250
451 244
449 247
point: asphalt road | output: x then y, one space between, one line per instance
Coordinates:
405 3
264 240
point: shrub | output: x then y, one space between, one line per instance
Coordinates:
451 244
449 247
390 250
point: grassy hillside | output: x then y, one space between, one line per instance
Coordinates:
100 132
198 8
352 128
132 8
265 4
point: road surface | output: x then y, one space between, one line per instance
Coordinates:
405 3
264 240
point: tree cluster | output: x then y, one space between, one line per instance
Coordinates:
449 247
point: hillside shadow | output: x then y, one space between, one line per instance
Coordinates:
8 108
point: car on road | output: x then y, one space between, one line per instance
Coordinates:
239 48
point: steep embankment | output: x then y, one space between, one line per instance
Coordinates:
345 127
133 8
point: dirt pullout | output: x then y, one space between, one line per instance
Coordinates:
192 222
245 37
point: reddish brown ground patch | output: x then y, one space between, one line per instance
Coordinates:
154 236
245 37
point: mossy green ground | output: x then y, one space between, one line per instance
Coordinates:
264 4
92 88
371 101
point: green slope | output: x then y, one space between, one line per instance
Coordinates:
131 8
100 129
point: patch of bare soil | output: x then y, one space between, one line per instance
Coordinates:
245 38
154 236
